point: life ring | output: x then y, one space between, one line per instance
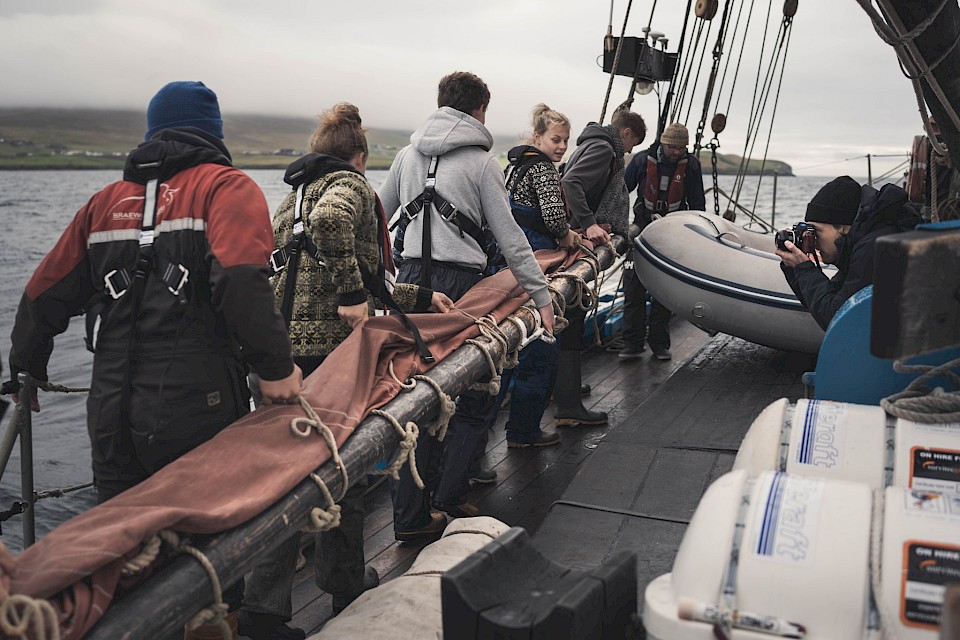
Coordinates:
917 174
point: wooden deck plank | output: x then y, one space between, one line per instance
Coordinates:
640 461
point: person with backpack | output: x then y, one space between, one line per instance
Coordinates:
169 264
343 261
599 204
539 207
846 219
667 179
449 193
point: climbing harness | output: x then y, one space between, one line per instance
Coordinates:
429 199
287 258
117 282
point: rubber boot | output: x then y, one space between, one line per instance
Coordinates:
212 631
570 410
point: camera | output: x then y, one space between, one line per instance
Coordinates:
802 235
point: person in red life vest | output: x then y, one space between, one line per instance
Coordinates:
667 179
170 265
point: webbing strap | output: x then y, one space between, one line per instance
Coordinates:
426 238
293 260
729 595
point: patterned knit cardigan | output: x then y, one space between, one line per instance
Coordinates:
341 217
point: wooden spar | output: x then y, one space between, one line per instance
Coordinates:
162 604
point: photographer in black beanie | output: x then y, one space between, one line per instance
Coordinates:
848 218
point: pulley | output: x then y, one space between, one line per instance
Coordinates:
718 123
790 8
730 215
706 9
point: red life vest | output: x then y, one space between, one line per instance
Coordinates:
675 192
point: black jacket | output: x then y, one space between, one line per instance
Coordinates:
881 213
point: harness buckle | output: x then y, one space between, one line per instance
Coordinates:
117 282
278 261
174 280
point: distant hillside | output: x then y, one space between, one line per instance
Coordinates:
100 139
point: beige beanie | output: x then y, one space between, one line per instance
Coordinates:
676 135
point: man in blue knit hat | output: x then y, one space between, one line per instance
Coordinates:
169 265
847 219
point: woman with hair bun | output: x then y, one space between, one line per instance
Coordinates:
539 207
343 256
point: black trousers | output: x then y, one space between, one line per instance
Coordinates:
443 465
635 319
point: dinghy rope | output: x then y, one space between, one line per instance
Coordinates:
919 402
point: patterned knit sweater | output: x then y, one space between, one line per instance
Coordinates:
340 215
540 189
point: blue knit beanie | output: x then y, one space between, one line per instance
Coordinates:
184 104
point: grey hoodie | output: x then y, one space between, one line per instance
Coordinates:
469 178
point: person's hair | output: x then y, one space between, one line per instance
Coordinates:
339 133
463 91
542 119
624 119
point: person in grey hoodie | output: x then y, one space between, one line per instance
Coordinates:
452 261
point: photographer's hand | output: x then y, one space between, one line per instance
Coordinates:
792 257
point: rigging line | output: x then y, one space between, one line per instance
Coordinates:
754 105
663 107
824 164
752 123
736 73
778 50
892 171
776 102
890 36
616 61
652 10
717 54
696 79
932 82
688 68
726 65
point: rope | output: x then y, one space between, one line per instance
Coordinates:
59 493
144 559
408 445
915 63
920 403
616 62
25 617
876 536
216 613
403 385
59 388
322 519
448 407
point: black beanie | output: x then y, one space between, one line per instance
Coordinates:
184 104
837 202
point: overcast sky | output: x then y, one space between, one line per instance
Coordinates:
843 94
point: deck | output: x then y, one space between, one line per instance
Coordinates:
674 427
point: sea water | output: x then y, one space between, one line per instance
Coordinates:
36 206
